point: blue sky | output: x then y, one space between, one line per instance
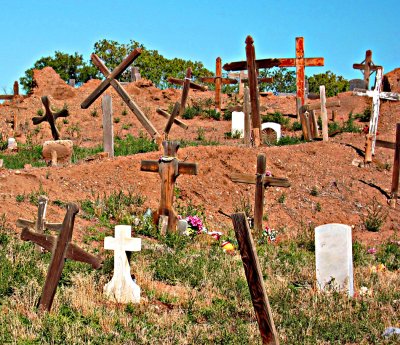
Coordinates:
339 31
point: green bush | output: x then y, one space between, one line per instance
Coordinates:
276 117
365 116
287 140
27 154
227 115
190 113
296 126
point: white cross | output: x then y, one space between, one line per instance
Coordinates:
122 288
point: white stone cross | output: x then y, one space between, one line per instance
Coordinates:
334 258
122 288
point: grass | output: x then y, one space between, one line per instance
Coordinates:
27 154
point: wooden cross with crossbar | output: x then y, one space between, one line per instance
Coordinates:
111 79
367 67
169 168
50 117
262 181
61 248
14 95
218 81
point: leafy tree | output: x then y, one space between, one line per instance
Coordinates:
333 84
284 80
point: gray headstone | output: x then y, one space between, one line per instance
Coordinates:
357 84
334 258
182 226
71 82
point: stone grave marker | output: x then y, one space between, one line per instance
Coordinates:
356 84
276 127
334 258
238 123
122 288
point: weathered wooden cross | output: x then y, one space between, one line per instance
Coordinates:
169 168
396 164
111 79
367 67
50 117
218 81
14 95
255 281
262 181
61 248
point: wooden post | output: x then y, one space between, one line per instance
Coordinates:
334 115
314 124
368 149
218 75
300 69
259 194
247 120
396 168
16 88
324 114
255 280
305 126
108 131
253 87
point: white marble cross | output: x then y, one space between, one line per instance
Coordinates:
122 288
333 256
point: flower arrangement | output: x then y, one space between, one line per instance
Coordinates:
269 234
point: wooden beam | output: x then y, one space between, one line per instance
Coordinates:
385 144
259 193
317 106
176 121
324 114
193 85
268 181
396 167
255 280
247 117
184 168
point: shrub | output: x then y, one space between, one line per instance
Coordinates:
349 125
190 113
287 140
276 117
296 126
365 116
375 217
227 115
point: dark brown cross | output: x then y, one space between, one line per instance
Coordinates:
61 248
218 81
255 280
300 62
396 164
367 67
261 181
50 117
111 79
15 95
169 168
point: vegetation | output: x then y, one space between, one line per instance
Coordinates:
365 116
276 117
375 217
334 84
284 80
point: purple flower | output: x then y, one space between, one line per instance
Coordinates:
195 222
371 250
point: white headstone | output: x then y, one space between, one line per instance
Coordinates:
122 288
11 144
274 126
238 123
334 258
182 226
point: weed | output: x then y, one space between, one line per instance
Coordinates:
20 198
276 117
124 112
39 112
94 112
296 126
213 114
365 116
190 113
227 116
27 154
287 140
117 120
349 125
314 191
65 121
376 216
200 134
282 198
132 145
235 135
318 207
389 255
127 126
33 196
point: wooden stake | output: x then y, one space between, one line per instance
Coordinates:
368 149
259 194
247 119
324 114
396 168
108 132
255 280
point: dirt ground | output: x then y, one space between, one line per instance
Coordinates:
344 190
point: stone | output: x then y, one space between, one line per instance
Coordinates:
122 288
334 258
61 150
12 144
1 163
182 226
238 123
274 126
356 84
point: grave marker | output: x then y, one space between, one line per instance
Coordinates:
111 79
169 168
108 131
261 181
333 257
122 288
367 67
255 280
218 81
61 248
247 117
238 123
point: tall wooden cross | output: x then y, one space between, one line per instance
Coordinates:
396 164
14 95
218 81
367 67
262 181
111 79
300 62
61 248
169 168
50 117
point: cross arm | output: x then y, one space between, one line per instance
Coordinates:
149 166
184 168
192 84
73 252
260 80
22 223
363 66
113 75
61 113
268 181
316 106
385 144
176 121
38 119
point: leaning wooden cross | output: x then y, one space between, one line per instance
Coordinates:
169 168
62 249
367 67
262 181
111 79
396 164
255 281
218 81
50 117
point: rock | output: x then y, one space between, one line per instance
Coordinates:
12 144
58 151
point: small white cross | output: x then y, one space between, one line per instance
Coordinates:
122 288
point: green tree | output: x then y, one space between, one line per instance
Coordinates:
333 84
284 80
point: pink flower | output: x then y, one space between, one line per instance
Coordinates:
268 173
195 222
371 250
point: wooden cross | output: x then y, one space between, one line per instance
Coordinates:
50 117
241 76
62 249
396 164
169 168
111 79
255 281
218 81
14 95
367 67
300 62
262 181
